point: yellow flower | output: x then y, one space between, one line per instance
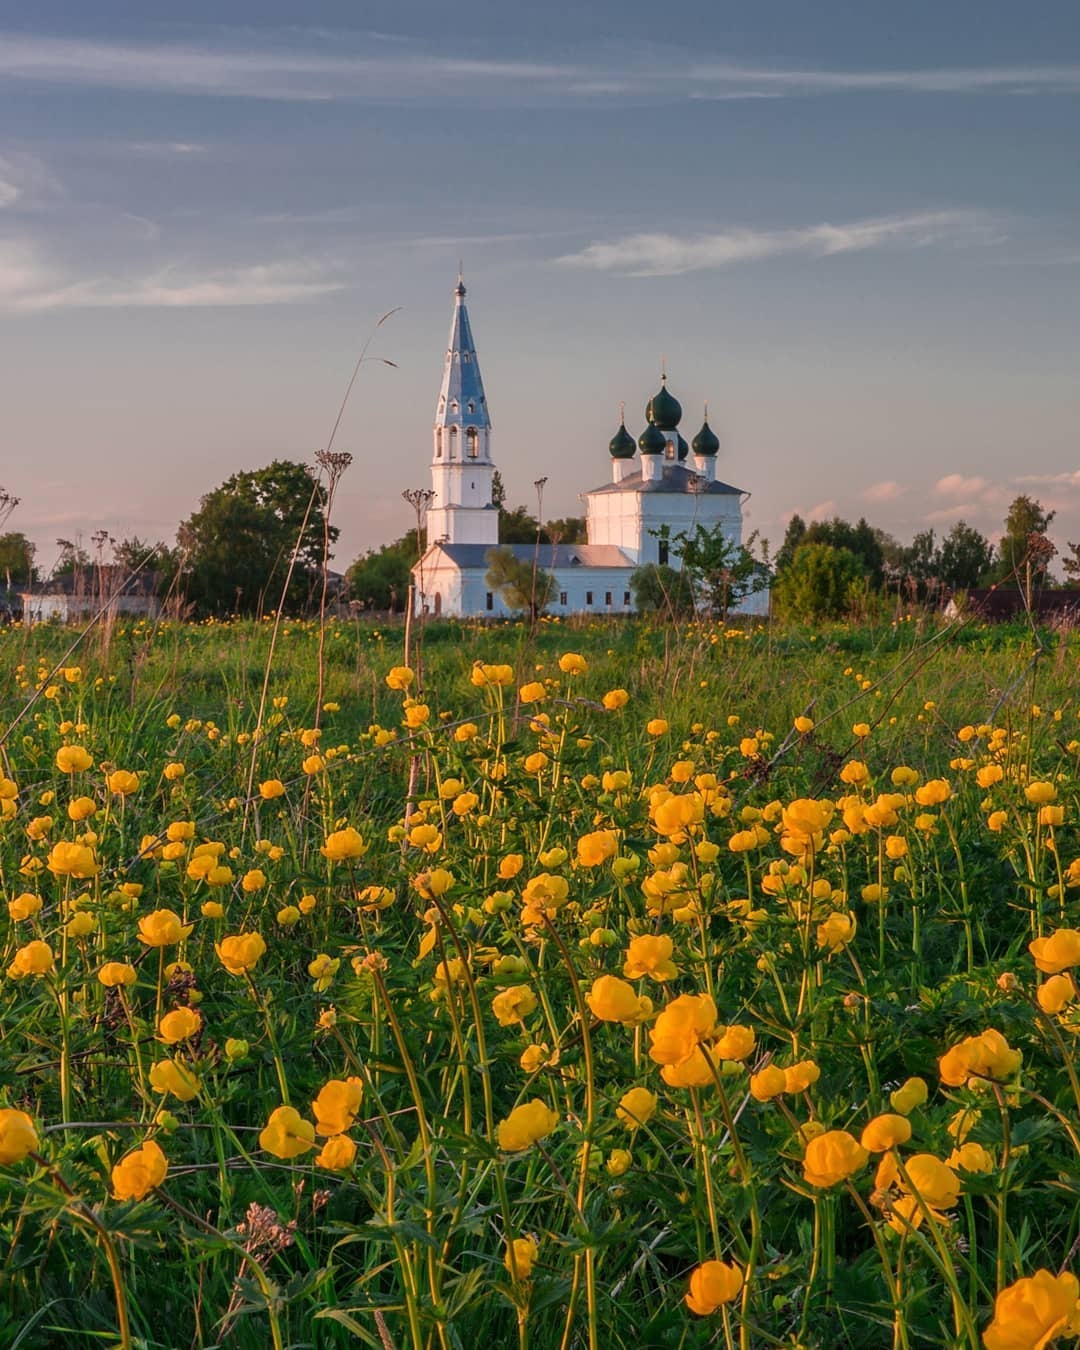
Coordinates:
36 958
81 808
1053 994
513 1005
1057 952
685 1022
933 792
273 787
977 1057
618 1162
971 1157
73 759
123 783
252 881
520 1258
323 969
337 1154
885 1132
525 1125
657 726
712 1284
996 821
570 663
344 846
532 693
804 725
613 1000
24 906
170 1076
933 1181
594 849
836 931
138 1172
72 860
768 1083
162 928
416 715
908 1096
18 1137
336 1105
636 1108
650 956
799 1077
114 973
832 1157
400 678
1039 794
287 1134
241 952
544 895
615 699
179 1025
1033 1312
174 771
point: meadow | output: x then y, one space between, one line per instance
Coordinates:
592 985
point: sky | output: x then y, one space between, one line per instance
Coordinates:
852 227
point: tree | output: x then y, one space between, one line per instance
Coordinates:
1024 552
155 560
965 557
565 530
239 544
660 589
1072 565
522 585
817 583
518 526
16 560
861 540
380 578
721 572
793 537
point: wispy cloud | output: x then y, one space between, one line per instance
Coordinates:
669 254
956 485
30 286
25 181
886 491
378 68
1069 479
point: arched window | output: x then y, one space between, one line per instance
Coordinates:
453 442
472 443
669 450
438 443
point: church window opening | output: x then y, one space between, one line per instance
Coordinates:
489 600
453 442
562 597
472 442
662 552
607 597
471 406
438 444
626 597
588 597
669 450
454 405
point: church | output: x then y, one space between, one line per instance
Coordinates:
659 480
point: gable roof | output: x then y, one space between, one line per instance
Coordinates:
675 478
548 556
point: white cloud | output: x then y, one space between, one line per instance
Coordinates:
320 66
1066 480
959 511
25 180
822 511
669 254
28 286
885 491
956 485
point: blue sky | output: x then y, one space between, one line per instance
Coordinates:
853 228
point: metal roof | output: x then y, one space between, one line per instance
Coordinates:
461 399
676 478
548 556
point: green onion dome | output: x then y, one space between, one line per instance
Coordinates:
664 411
682 449
622 444
652 441
706 442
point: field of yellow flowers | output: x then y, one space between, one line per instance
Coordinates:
592 986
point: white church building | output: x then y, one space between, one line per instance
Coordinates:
658 481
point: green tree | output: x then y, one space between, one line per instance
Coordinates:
1071 563
1024 552
964 558
16 560
660 589
380 578
793 537
239 544
518 526
565 530
721 572
522 585
156 560
816 585
861 540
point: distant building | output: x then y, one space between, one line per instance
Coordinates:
999 604
75 598
659 481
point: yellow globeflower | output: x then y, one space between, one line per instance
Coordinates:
400 678
571 663
1057 952
615 699
613 1000
532 693
513 1005
162 928
525 1125
799 1077
636 1108
650 956
36 958
711 1285
241 952
123 783
337 1154
73 759
836 931
908 1096
1055 993
975 1058
657 726
179 1025
1032 1312
169 1076
1039 794
595 848
287 1134
114 973
768 1083
273 787
72 860
336 1105
884 1132
933 1181
81 808
832 1157
520 1257
138 1172
344 845
18 1137
24 906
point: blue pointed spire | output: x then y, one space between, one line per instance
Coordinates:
461 399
